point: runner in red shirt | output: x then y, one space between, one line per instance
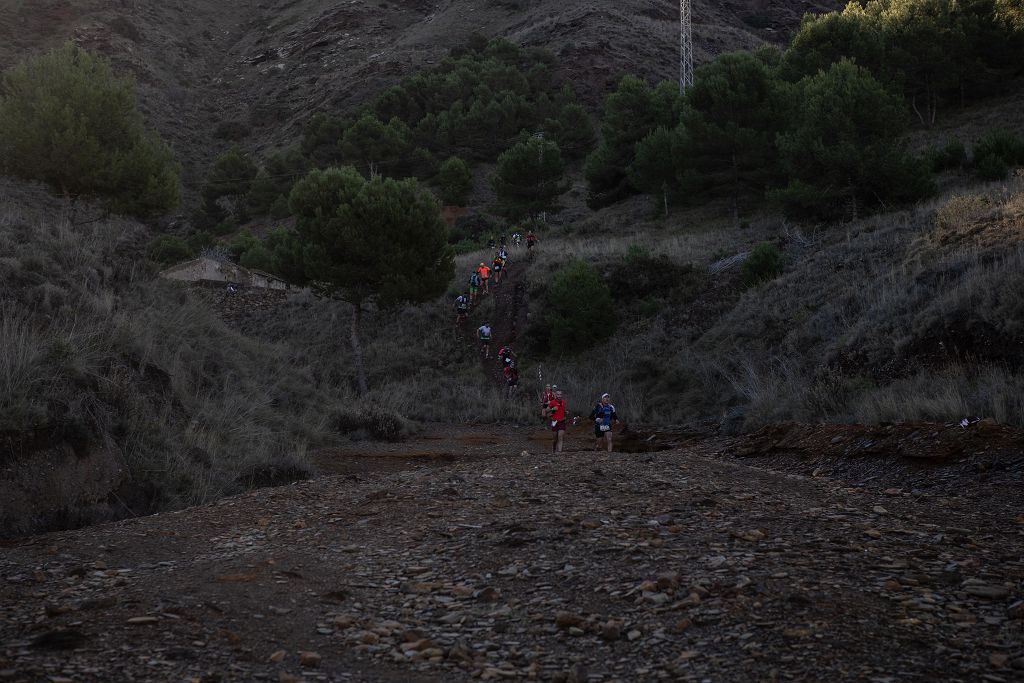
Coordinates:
556 412
531 240
545 400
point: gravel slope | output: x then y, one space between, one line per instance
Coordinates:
674 565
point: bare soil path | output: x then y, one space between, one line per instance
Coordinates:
685 564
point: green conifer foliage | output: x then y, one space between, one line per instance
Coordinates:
68 121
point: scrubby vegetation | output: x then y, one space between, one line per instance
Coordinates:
764 263
578 312
99 355
903 316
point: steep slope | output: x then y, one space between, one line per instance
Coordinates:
268 65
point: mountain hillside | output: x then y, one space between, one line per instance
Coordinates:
206 66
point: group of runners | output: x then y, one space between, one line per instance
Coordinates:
554 407
481 280
485 276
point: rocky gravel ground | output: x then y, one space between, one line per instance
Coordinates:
674 565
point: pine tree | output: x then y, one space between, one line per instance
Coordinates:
230 178
377 240
275 181
321 139
573 131
455 182
631 113
825 39
529 178
373 146
732 117
842 150
654 169
68 121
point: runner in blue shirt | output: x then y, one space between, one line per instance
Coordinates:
604 417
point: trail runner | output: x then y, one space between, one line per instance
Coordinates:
474 286
498 266
485 276
531 241
556 413
461 310
545 398
511 378
484 331
604 417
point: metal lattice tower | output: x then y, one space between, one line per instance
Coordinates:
685 46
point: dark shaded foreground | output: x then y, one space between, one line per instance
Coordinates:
674 565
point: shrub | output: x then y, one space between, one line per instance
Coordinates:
199 240
473 229
225 227
168 250
232 131
258 258
996 153
230 179
960 211
641 275
376 421
579 310
951 156
68 121
764 263
279 209
242 243
991 167
1001 143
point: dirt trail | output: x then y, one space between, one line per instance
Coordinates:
511 309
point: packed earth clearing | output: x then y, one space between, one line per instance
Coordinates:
479 555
